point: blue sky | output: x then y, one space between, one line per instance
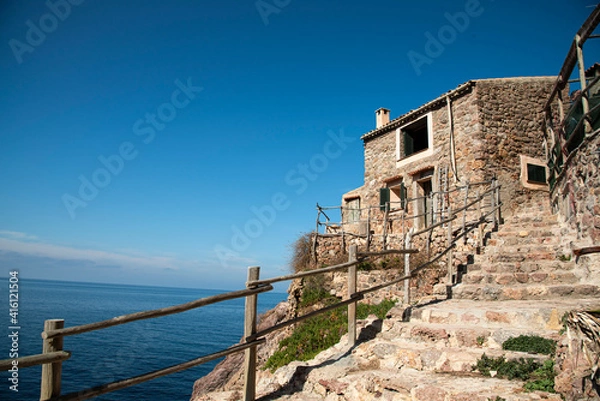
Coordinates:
177 143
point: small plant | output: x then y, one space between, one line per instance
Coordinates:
532 344
365 266
315 291
509 369
379 310
538 377
319 333
543 378
480 340
564 258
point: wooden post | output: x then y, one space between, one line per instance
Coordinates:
385 223
433 208
368 228
51 372
342 228
351 292
497 202
480 221
249 330
464 220
582 81
314 250
407 245
450 267
493 203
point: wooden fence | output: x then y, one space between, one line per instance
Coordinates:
54 332
570 121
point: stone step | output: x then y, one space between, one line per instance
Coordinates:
414 385
395 355
526 218
527 232
531 314
521 267
519 247
507 277
506 256
475 336
490 292
554 240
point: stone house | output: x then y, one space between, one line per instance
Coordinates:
483 129
440 154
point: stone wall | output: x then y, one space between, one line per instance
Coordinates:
576 195
512 118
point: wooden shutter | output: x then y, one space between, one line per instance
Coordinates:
403 196
384 198
409 145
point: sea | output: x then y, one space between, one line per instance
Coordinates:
124 351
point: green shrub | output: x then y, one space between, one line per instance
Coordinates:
532 344
379 310
538 377
318 333
309 338
543 378
315 291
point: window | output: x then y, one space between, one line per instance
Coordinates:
536 174
398 194
415 137
414 141
424 206
352 214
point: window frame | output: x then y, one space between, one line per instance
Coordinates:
401 158
525 181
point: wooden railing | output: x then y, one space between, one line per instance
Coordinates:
570 121
53 355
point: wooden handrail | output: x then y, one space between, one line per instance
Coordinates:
35 360
586 250
307 273
132 317
121 384
386 252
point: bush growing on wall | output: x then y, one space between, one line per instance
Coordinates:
301 259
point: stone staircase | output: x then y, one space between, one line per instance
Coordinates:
427 357
423 353
523 283
527 258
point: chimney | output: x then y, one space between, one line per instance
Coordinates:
382 117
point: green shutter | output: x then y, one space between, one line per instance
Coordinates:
384 198
536 173
403 196
409 145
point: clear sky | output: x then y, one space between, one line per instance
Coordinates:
178 142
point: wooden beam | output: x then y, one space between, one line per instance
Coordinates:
153 313
586 250
34 360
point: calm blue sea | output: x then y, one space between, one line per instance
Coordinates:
120 352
